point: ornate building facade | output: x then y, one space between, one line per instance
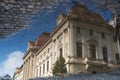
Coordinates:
18 75
82 37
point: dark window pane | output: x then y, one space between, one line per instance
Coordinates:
91 32
43 68
40 71
47 66
60 51
78 30
117 57
105 54
103 35
79 49
92 51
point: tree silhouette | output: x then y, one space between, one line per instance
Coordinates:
59 68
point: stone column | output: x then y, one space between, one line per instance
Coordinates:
83 45
24 71
27 69
71 48
65 42
30 68
64 53
109 51
72 42
57 51
34 66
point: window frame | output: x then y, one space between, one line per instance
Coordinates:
117 57
47 65
43 68
105 54
79 49
103 35
92 49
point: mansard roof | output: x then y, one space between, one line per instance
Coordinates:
39 42
82 13
42 39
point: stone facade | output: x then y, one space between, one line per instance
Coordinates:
18 75
29 65
84 40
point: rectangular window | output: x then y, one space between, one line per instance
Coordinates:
103 35
44 53
92 50
43 68
40 71
78 29
91 32
105 54
79 49
60 51
117 57
48 50
37 73
47 66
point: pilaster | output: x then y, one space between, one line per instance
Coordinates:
72 41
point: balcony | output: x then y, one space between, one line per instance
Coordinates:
85 60
95 61
75 60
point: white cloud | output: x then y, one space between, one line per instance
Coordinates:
9 65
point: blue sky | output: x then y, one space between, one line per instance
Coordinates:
13 48
16 44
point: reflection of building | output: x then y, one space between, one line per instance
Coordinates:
18 75
30 58
86 42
